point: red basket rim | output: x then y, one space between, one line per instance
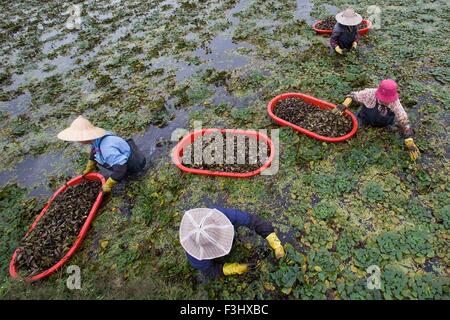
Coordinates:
318 103
90 176
327 31
177 150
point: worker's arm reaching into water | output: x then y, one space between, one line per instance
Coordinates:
212 268
381 107
345 34
107 150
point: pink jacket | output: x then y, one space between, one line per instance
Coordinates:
367 98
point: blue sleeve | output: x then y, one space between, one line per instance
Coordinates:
335 35
237 218
115 150
251 221
209 268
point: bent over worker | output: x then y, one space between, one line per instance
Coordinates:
208 233
121 157
345 34
381 107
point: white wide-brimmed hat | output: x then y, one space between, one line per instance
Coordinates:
81 129
349 17
206 233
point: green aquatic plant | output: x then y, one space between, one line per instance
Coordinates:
373 192
290 272
20 126
419 211
318 236
242 117
365 257
419 243
347 242
428 287
391 245
330 185
218 78
355 288
324 210
444 214
394 283
16 215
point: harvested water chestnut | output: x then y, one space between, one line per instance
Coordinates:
314 119
58 228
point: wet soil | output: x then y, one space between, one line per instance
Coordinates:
56 231
322 122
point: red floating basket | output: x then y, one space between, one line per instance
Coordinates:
314 102
90 176
177 153
361 32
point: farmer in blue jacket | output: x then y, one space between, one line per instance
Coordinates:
107 150
208 233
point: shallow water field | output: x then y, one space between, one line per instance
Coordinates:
154 69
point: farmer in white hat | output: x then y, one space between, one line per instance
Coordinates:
107 150
345 33
381 107
208 233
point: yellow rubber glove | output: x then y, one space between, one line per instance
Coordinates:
234 268
107 187
338 50
90 166
354 44
347 102
414 152
276 245
340 108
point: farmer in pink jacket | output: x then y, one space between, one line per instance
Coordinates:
381 107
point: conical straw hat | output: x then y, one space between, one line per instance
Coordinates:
206 233
349 17
81 130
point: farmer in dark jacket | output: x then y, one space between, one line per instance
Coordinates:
107 150
207 234
345 33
